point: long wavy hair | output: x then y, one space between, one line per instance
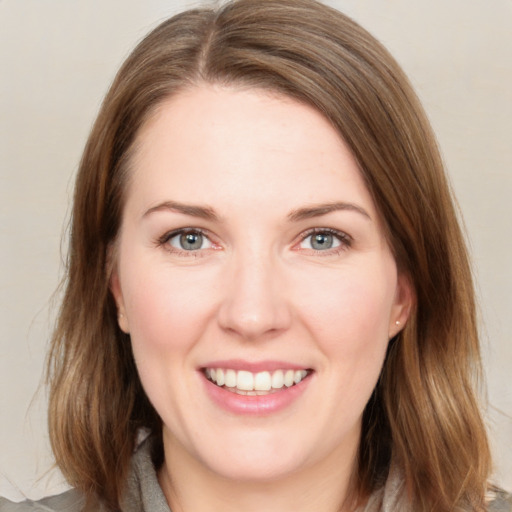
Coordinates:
424 414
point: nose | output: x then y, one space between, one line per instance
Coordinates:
254 304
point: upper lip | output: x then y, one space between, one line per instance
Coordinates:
254 366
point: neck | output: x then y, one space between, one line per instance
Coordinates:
190 486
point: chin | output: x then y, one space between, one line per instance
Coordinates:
255 469
250 456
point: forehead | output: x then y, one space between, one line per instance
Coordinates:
237 147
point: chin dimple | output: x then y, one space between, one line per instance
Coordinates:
261 383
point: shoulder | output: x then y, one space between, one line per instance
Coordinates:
142 492
499 501
69 501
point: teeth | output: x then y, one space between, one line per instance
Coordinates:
244 381
262 381
288 378
230 380
278 379
248 383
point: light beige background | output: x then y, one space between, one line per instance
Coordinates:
57 58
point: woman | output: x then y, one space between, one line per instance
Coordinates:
269 299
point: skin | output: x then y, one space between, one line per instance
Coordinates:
256 290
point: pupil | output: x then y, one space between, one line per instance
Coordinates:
322 241
191 241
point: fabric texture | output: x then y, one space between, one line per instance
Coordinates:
144 494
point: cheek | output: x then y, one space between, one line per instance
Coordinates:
349 310
165 311
167 315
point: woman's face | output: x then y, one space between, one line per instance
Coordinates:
256 283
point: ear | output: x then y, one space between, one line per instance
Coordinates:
116 290
402 306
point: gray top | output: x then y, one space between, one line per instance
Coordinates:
144 494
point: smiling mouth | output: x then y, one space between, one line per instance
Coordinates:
248 383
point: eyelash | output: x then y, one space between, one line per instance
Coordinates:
344 240
163 241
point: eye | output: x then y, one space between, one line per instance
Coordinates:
188 240
324 240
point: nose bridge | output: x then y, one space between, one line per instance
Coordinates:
254 302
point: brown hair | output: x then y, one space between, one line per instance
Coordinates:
423 414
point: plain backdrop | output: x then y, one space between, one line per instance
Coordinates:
57 58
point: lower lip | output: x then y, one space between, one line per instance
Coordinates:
258 405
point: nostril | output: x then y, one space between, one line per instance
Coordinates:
253 319
253 301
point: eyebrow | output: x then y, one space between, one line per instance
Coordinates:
308 212
317 210
202 212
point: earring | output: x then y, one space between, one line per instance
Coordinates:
397 322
